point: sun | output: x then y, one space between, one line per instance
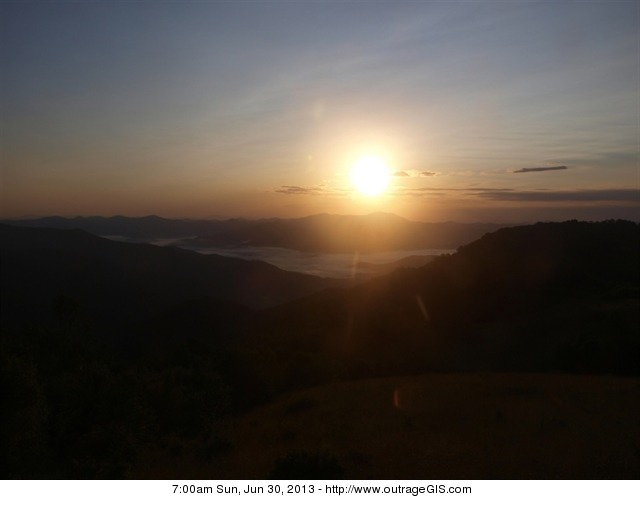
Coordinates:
370 175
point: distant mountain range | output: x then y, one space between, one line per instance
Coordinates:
142 228
316 233
117 283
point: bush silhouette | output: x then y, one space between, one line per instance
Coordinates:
307 466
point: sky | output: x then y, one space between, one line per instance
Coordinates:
516 111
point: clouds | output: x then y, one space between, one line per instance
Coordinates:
331 190
449 192
619 196
316 190
631 196
293 189
541 169
412 173
628 196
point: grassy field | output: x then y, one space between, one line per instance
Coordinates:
467 426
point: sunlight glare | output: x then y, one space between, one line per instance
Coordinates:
370 175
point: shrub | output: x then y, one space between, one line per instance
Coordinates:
307 466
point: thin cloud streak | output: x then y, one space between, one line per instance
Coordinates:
610 195
541 169
316 190
624 195
627 196
412 173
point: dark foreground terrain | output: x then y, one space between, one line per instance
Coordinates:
447 426
516 357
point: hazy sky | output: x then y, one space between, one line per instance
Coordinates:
217 109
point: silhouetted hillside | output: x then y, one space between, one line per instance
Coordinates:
547 297
119 284
414 261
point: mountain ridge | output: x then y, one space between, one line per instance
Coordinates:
551 297
314 233
118 281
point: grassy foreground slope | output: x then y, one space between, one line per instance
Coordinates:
441 426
